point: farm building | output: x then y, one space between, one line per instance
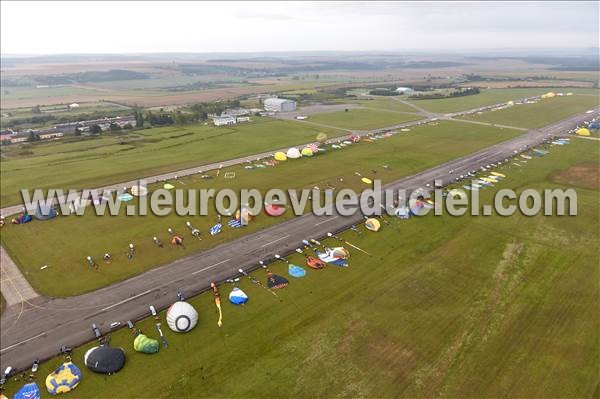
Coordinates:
52 135
224 120
279 105
403 90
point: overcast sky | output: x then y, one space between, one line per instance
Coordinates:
133 27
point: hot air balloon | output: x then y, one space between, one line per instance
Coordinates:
27 391
237 296
143 344
307 152
139 191
280 156
293 153
583 132
372 224
64 379
182 317
104 359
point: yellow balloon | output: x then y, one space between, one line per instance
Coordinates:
583 132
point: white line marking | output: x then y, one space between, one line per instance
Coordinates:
210 267
22 342
326 220
128 299
274 241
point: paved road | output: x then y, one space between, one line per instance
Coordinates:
42 325
15 287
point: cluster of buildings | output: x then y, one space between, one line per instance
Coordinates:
240 115
14 137
10 136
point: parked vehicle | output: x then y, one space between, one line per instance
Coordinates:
96 331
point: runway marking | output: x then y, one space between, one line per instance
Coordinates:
210 267
22 342
274 241
128 299
327 220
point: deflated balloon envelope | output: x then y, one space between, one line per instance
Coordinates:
104 359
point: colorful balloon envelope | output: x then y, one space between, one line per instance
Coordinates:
237 296
182 317
64 379
372 224
275 281
280 156
27 391
296 271
144 344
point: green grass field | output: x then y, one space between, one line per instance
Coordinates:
95 162
489 97
362 118
447 306
65 241
543 113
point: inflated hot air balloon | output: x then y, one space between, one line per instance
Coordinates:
583 132
27 391
293 153
104 359
181 317
280 156
237 296
307 152
372 224
321 137
594 125
64 379
139 191
143 344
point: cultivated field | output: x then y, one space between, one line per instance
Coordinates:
66 241
543 113
447 306
363 119
489 97
98 161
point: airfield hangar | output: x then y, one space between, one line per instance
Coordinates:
279 105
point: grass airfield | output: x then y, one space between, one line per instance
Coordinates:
109 159
493 96
363 118
447 306
65 242
542 113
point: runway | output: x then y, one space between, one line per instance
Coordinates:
41 325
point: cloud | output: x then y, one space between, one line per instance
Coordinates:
118 27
